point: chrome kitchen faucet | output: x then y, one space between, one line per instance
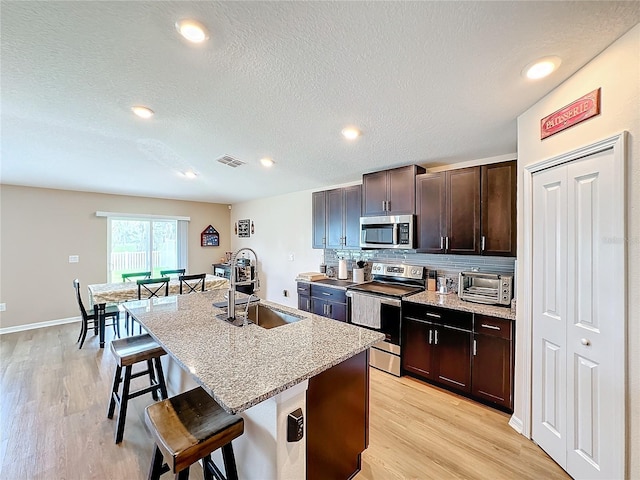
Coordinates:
231 298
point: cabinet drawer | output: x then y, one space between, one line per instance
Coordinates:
328 293
304 288
497 327
442 316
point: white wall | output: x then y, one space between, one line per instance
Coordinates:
617 72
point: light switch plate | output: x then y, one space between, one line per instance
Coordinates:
74 258
291 257
3 307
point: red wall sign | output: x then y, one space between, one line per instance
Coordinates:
577 111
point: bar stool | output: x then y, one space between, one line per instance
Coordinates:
127 352
187 428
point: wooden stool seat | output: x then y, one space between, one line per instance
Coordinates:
127 352
189 427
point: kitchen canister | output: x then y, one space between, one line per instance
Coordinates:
358 275
342 269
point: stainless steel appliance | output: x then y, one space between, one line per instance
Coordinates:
394 231
377 305
489 288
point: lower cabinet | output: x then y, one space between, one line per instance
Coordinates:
468 353
438 345
325 301
493 349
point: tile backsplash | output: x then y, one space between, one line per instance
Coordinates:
449 265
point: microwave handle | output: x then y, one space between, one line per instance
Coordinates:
396 239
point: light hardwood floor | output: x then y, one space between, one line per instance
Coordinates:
53 425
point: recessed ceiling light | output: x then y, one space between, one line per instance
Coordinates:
190 174
192 30
142 111
266 162
351 133
541 68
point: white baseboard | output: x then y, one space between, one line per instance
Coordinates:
516 424
31 326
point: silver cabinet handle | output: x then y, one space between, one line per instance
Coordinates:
492 327
446 243
475 348
384 205
328 310
308 305
435 335
483 243
388 205
430 336
441 243
434 315
327 294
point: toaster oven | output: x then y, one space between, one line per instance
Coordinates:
489 288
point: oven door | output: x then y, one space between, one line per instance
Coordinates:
379 313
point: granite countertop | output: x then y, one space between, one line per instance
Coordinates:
454 302
243 366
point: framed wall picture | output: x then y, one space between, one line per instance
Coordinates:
243 228
210 237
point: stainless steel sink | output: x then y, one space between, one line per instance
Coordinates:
263 316
336 282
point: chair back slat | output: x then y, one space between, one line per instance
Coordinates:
178 271
152 287
83 311
192 283
130 277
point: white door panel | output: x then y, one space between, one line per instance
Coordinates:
549 317
578 317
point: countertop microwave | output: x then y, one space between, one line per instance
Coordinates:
395 231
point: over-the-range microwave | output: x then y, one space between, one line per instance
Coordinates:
394 231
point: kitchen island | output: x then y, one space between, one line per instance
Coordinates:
315 364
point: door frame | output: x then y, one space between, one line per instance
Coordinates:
618 143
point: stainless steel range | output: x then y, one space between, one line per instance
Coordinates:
377 305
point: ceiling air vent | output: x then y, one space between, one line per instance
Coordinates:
229 160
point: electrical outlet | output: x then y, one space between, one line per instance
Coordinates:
291 257
285 293
3 307
74 258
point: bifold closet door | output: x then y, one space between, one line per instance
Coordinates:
578 322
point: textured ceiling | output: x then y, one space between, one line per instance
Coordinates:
427 82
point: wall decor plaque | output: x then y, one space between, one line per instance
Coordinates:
243 228
209 237
577 111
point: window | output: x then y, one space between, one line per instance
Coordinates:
137 244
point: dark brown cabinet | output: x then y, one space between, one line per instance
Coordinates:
437 346
390 192
343 217
321 300
337 423
492 374
304 297
468 211
319 219
448 211
498 229
336 217
469 353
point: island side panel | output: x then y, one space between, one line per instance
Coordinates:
338 419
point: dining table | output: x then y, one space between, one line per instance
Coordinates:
120 292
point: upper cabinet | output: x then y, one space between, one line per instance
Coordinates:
468 211
499 209
336 217
390 192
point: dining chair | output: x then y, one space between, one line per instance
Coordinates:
149 288
167 273
130 277
192 283
112 312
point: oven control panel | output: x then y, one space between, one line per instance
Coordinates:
398 270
